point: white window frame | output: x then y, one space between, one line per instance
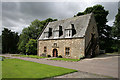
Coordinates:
46 35
68 33
56 34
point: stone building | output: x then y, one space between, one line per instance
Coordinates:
71 38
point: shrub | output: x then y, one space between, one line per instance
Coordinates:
60 56
48 55
81 56
31 47
109 50
43 55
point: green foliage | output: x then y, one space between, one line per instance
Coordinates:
32 32
116 30
23 40
113 53
16 68
0 43
88 10
31 46
79 14
116 27
9 41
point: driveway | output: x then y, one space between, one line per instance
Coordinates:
106 65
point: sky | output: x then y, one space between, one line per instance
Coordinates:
18 15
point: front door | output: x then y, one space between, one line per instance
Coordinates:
55 53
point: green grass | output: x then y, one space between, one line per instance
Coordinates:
2 56
113 53
65 59
1 69
30 56
16 68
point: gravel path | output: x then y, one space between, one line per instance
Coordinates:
107 66
81 74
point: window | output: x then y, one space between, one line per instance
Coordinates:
55 44
50 32
67 51
68 33
73 30
56 34
45 49
45 34
60 31
60 28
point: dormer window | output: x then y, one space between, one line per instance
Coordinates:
50 32
46 34
70 31
73 30
56 34
60 31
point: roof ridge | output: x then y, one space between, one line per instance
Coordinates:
72 18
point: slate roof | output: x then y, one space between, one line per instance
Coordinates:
80 25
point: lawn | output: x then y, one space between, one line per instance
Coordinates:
0 68
113 53
65 59
30 56
2 56
16 68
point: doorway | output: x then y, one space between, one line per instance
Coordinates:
55 53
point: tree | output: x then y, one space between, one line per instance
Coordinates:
32 32
101 19
0 44
116 27
31 47
79 14
116 30
9 41
23 40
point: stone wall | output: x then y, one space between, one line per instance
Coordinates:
76 47
92 29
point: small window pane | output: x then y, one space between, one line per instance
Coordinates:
67 51
45 49
68 33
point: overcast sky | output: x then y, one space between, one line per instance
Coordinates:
18 15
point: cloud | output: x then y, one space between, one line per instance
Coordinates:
17 15
111 22
60 0
112 7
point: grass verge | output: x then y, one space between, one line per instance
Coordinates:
113 53
16 68
65 59
30 56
